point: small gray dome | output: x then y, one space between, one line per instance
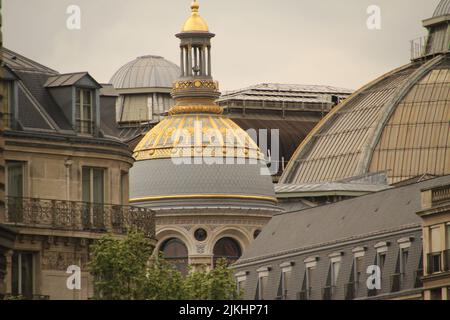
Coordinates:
442 9
146 72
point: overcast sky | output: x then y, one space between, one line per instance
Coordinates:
285 41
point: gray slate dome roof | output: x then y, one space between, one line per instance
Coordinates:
442 9
200 185
146 72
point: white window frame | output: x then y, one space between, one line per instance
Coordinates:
404 245
311 265
382 249
286 268
33 268
263 274
335 258
358 253
80 91
241 277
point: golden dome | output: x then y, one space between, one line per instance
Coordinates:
195 23
197 135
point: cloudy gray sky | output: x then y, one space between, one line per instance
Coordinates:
286 41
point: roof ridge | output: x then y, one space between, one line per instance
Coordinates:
17 55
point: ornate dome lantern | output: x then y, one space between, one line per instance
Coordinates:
198 169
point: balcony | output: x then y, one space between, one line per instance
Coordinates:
78 216
438 262
440 195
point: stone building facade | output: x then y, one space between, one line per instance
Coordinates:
324 253
67 180
435 214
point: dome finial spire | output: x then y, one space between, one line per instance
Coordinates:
195 23
195 6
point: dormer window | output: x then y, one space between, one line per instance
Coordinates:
84 111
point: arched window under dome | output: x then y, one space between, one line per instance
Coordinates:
228 249
176 252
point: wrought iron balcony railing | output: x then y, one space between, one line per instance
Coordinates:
78 216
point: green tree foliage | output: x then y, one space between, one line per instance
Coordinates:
124 269
119 267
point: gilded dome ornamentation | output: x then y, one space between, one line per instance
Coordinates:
195 23
196 156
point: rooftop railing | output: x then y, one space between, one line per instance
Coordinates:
418 47
78 216
440 195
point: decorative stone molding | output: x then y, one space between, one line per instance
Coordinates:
52 260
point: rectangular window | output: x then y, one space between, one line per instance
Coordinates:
93 185
404 255
94 197
23 274
240 286
358 269
262 282
5 103
15 173
84 111
335 267
284 282
124 196
309 281
435 245
381 260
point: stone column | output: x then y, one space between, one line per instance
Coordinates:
182 61
189 61
209 62
2 274
203 58
8 278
